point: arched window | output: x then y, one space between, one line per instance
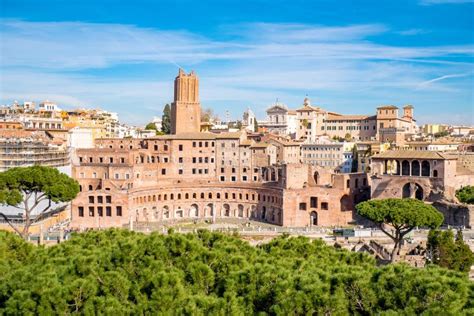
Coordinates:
345 203
210 195
90 187
194 211
405 168
425 168
186 196
415 168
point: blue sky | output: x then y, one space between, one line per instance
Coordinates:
347 56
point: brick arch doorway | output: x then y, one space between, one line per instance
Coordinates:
412 190
313 217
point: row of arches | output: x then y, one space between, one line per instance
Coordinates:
409 168
210 210
240 196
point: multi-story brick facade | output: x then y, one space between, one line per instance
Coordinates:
425 175
192 175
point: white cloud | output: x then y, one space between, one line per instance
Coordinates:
432 2
339 67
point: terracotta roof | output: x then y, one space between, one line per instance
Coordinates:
332 117
307 108
259 145
246 142
408 106
411 154
229 135
387 107
291 112
186 136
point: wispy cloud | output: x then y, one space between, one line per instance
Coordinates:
343 68
427 83
411 32
432 2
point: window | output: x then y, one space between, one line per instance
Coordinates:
91 199
111 160
155 147
100 199
100 211
165 147
314 202
302 207
122 160
222 178
244 178
90 188
233 178
180 171
222 170
180 147
80 210
348 183
108 199
91 211
163 171
324 206
194 144
180 159
118 210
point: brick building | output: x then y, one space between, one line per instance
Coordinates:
202 175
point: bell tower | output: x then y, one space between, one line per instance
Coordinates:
186 109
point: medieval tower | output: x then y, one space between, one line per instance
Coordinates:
186 109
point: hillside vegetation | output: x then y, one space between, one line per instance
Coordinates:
117 272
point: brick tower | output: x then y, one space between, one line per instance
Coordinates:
186 109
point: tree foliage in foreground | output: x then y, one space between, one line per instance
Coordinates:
466 194
26 187
397 217
125 273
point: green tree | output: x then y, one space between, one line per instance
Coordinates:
26 188
397 217
441 134
255 125
151 126
166 120
207 115
347 137
466 194
122 272
449 252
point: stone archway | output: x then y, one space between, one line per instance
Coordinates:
313 217
240 208
226 210
166 212
194 211
345 203
209 212
412 191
